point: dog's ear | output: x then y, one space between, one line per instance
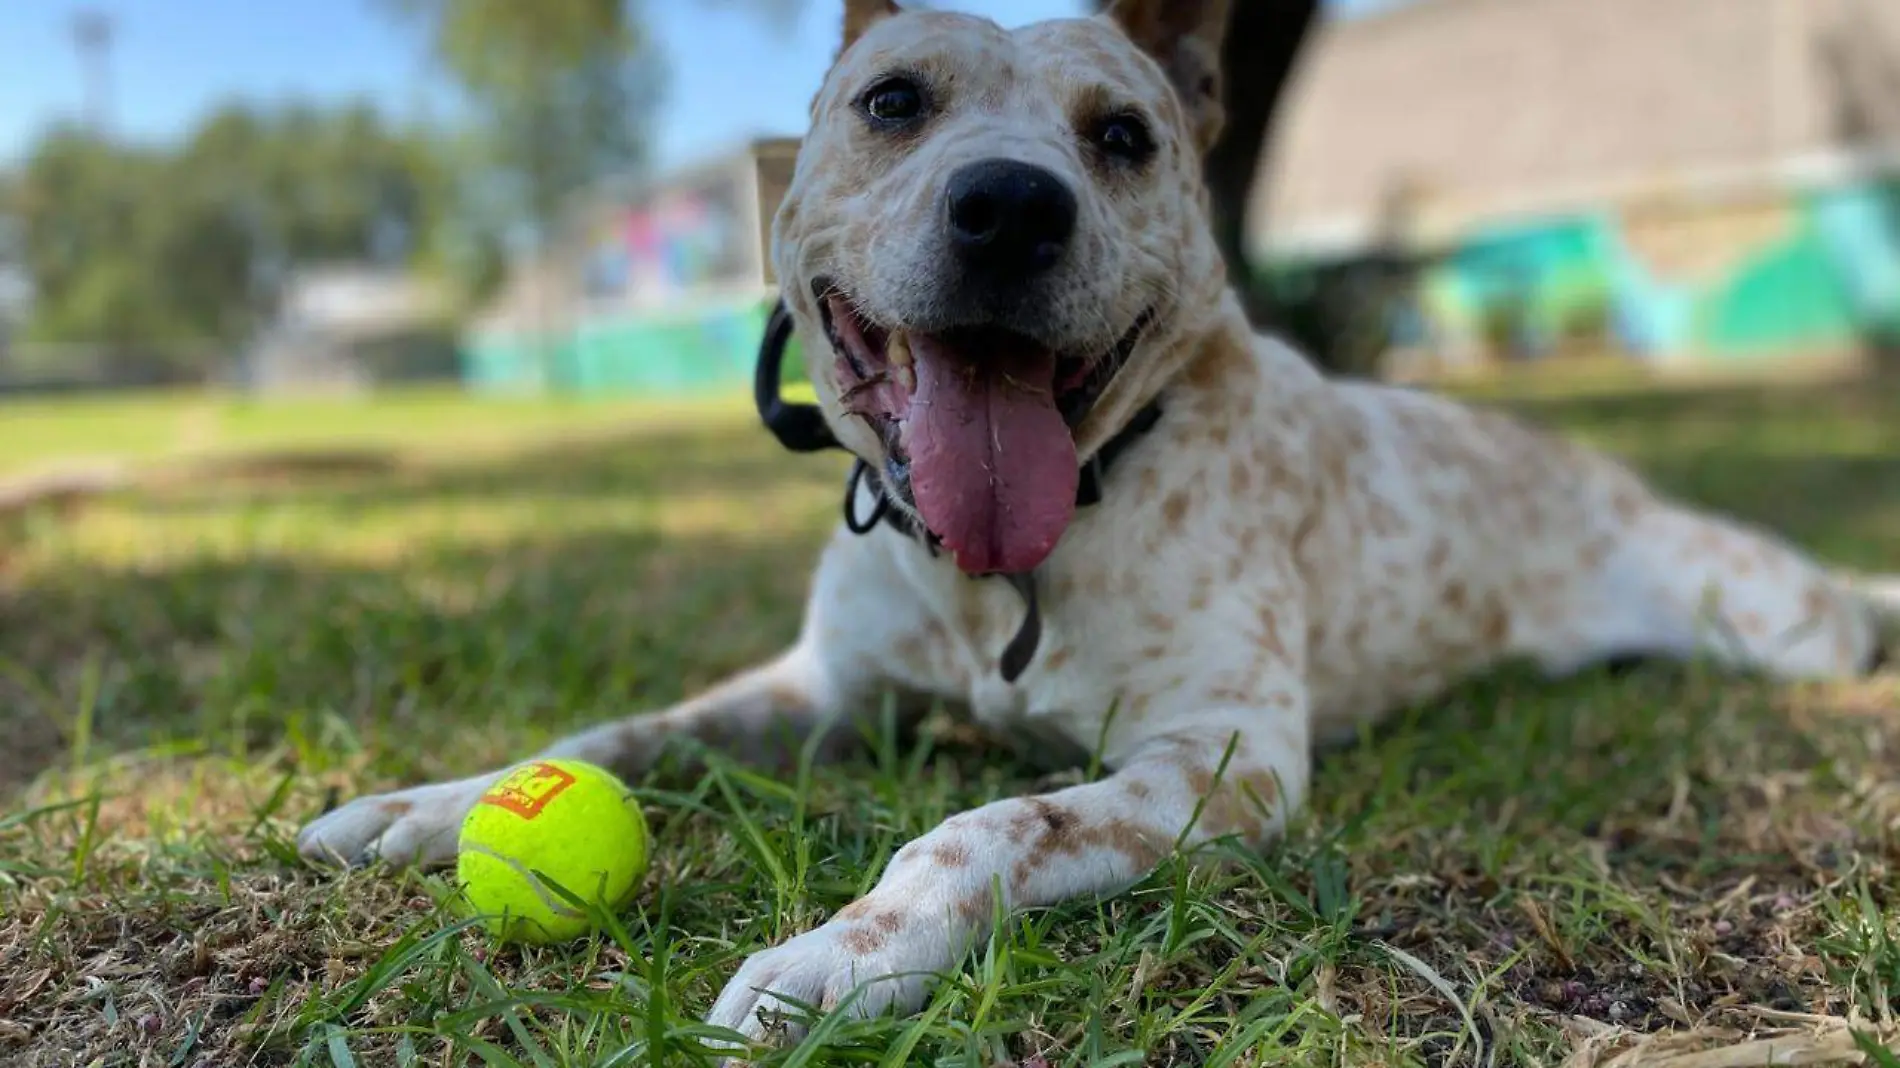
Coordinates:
1184 36
860 15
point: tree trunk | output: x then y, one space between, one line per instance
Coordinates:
1264 40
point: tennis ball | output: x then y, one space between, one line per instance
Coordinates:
565 820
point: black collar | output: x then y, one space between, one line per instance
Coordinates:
802 428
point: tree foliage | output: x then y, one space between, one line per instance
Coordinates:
559 94
143 246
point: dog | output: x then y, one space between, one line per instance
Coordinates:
1001 241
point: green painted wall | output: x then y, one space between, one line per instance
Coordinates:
1830 278
704 350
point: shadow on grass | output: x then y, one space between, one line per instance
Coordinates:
224 654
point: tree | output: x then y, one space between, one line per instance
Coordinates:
560 92
86 240
143 248
1264 41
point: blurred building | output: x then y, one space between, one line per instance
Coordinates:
352 326
1677 179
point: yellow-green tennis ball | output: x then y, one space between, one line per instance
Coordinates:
570 821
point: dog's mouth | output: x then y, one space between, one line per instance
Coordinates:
978 426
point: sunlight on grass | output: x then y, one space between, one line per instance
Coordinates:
125 534
147 427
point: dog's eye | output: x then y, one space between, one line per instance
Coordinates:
893 100
1123 137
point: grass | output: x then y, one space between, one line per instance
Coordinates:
1519 873
141 428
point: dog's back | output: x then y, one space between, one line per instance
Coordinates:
1425 539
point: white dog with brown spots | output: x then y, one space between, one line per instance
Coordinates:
1002 239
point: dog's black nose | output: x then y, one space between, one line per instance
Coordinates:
1009 220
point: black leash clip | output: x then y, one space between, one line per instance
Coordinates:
798 427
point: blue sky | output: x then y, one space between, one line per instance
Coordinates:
733 74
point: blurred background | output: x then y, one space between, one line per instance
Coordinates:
358 193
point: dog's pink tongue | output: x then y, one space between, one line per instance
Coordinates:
992 465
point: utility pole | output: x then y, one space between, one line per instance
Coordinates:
92 38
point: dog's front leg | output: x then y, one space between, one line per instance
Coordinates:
940 892
761 715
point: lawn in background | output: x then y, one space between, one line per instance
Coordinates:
146 428
1513 873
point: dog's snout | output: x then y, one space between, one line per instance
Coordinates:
1007 219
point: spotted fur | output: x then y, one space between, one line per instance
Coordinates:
1281 560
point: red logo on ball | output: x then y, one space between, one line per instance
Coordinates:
527 790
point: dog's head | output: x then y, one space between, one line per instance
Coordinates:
1000 238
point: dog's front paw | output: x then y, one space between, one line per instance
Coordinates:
892 959
417 826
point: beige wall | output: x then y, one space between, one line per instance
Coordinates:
1487 103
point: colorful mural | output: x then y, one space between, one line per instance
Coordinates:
673 301
1860 230
1812 271
684 239
670 301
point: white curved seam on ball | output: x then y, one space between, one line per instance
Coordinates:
555 904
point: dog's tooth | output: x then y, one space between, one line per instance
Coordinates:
903 367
